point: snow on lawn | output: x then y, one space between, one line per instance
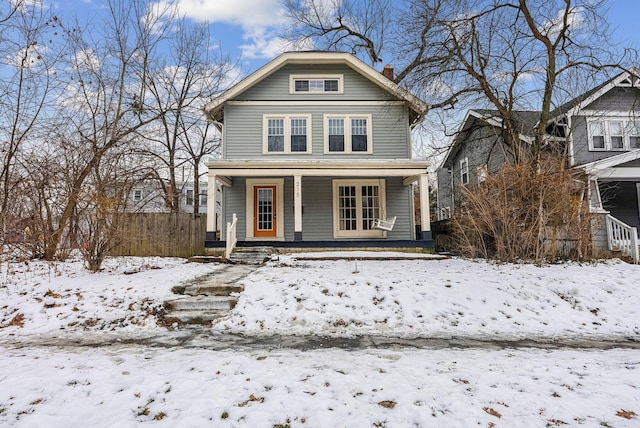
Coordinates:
129 387
438 298
38 297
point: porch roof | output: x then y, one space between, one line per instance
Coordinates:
612 167
408 168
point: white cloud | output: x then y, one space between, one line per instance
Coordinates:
575 19
246 13
261 21
267 44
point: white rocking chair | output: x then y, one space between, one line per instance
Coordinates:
381 224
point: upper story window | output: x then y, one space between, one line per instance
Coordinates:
464 170
137 195
317 84
287 133
614 134
347 134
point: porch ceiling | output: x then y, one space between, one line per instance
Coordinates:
280 168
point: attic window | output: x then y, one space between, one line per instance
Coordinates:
315 84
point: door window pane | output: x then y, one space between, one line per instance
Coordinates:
347 207
370 206
265 209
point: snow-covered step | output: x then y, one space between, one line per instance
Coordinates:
202 303
194 317
212 289
251 255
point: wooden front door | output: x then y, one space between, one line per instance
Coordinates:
264 207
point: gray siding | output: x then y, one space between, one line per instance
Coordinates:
481 146
276 86
625 100
317 203
317 207
244 134
234 201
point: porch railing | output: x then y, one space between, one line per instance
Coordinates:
622 237
232 239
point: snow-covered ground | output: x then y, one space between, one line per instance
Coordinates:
404 388
44 386
438 298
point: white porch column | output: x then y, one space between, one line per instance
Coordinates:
212 196
425 217
297 207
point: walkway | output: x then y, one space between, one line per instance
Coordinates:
203 338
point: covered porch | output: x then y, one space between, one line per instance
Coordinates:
614 197
319 204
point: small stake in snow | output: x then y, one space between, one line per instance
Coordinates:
356 267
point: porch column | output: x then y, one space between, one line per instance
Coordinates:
425 217
297 207
212 194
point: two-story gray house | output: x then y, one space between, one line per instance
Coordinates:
600 130
317 152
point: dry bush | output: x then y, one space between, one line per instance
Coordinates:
524 212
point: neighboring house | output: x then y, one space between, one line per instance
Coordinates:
147 196
475 151
316 151
601 132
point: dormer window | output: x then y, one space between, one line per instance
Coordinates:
315 84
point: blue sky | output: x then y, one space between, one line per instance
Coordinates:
250 29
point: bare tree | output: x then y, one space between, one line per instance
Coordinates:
30 49
104 100
192 72
506 55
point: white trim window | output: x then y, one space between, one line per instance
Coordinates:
464 170
288 134
137 195
356 204
612 134
315 84
633 130
348 134
189 198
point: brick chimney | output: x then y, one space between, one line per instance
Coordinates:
388 72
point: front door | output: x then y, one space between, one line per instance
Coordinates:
264 206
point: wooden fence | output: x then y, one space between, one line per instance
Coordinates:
161 234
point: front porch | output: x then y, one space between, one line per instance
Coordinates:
319 205
614 198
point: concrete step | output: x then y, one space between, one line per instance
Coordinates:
251 255
202 303
212 289
194 317
205 259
